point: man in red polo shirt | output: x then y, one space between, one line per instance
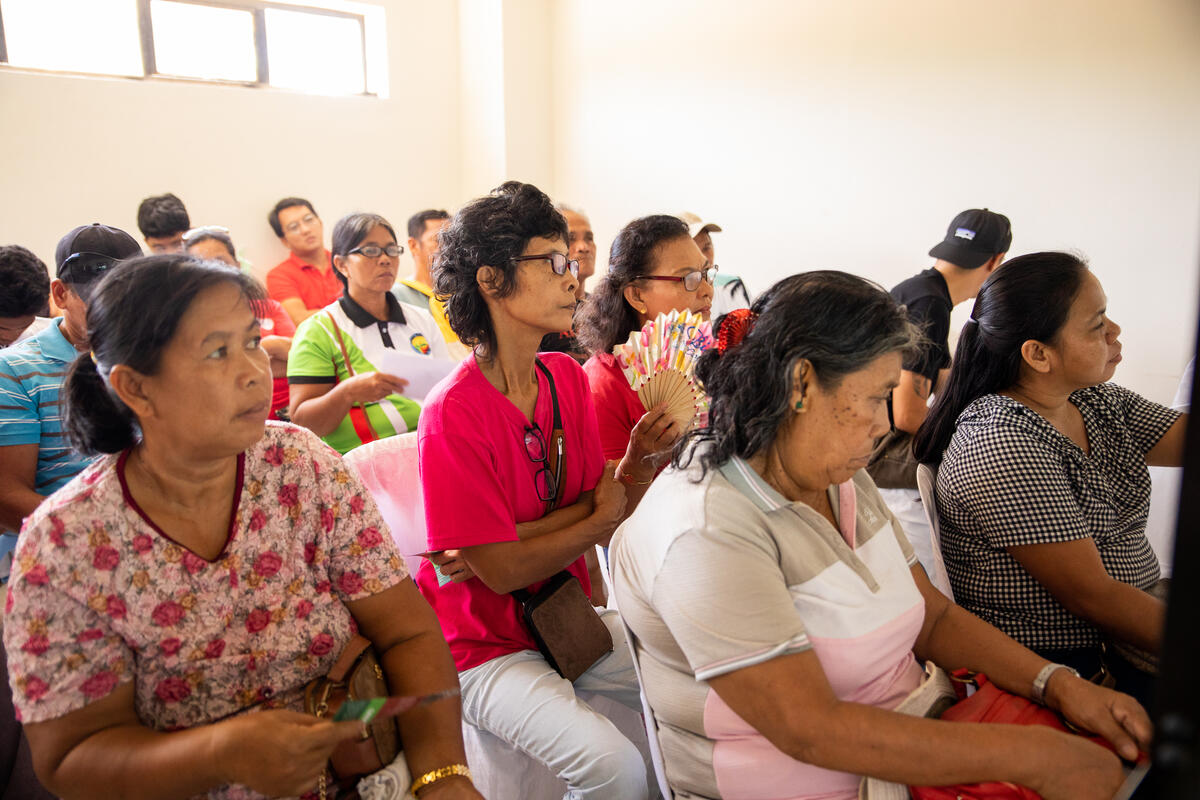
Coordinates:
304 282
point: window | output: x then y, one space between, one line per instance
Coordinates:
319 46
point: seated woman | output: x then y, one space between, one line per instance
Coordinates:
275 324
337 388
498 487
205 568
1043 490
654 268
777 605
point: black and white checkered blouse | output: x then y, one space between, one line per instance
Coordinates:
1009 478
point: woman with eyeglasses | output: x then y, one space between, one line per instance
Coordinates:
213 243
514 479
337 388
654 267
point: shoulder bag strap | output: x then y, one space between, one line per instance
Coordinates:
358 415
557 441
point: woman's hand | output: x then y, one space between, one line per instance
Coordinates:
650 443
370 387
451 564
1115 716
279 753
609 499
1074 768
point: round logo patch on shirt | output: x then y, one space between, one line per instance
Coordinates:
419 343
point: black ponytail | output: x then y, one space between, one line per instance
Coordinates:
1026 298
132 316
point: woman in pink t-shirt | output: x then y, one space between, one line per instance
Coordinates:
169 605
497 491
654 268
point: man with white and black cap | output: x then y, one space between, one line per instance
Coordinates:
729 292
35 458
976 242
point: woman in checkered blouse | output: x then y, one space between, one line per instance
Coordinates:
1043 489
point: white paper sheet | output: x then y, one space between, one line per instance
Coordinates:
421 372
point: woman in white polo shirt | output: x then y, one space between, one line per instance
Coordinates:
777 606
338 389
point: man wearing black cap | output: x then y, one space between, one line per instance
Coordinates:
35 458
976 243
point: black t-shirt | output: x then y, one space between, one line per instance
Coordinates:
927 299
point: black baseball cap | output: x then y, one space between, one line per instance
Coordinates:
973 237
87 252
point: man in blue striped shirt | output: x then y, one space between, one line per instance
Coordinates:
35 457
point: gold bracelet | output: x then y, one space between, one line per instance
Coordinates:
439 773
627 479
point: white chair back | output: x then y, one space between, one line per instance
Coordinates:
927 486
656 756
389 469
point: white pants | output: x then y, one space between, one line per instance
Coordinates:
522 700
907 506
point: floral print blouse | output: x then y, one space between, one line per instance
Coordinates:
99 596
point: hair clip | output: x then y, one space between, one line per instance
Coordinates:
734 327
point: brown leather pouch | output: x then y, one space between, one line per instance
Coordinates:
356 675
565 626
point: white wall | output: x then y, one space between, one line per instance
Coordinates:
848 134
78 150
818 134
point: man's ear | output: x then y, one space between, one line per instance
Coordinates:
58 291
633 296
130 386
994 262
1036 355
412 245
489 279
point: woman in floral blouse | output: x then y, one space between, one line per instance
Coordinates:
204 568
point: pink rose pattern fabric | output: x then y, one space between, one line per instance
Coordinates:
99 597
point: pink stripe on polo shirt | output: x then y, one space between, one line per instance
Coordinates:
478 483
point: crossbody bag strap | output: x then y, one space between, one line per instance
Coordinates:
358 414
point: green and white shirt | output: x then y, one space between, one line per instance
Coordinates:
315 357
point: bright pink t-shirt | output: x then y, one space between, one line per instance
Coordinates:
618 408
478 482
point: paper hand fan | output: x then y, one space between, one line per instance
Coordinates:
659 362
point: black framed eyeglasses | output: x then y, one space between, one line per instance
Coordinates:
558 262
544 480
85 266
691 281
375 251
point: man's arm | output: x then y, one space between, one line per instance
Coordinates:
296 309
910 401
18 472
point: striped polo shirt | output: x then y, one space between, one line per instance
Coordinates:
719 573
31 374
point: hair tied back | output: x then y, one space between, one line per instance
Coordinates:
734 327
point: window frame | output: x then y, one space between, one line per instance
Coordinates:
258 9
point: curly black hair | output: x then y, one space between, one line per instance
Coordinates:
837 321
161 216
26 282
489 231
607 319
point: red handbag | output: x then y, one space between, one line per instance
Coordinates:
992 704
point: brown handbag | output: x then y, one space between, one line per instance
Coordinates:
893 465
356 675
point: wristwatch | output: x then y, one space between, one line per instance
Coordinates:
1043 677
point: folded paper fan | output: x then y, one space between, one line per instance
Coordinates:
659 361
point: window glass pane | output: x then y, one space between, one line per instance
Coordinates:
75 35
203 42
314 52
